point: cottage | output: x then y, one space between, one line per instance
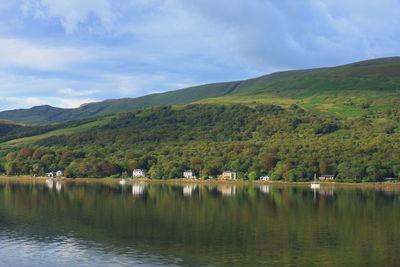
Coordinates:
228 175
138 173
326 177
51 174
59 173
264 178
189 174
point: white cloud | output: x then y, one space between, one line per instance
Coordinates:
72 13
9 103
132 85
301 34
71 92
69 102
21 53
110 49
21 85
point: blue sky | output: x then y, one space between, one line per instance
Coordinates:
66 53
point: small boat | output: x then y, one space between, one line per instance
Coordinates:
123 181
315 185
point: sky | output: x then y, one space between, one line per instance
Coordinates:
69 52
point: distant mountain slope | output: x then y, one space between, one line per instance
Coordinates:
379 75
328 89
344 91
48 114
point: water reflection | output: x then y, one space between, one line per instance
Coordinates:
138 190
264 189
227 225
188 190
327 192
227 190
50 183
59 186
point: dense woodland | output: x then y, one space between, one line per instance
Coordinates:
290 144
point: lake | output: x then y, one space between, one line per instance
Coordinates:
100 224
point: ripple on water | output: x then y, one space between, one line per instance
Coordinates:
68 251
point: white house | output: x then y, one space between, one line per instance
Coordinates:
327 177
228 175
52 174
138 173
189 174
264 178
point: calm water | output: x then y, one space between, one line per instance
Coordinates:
78 224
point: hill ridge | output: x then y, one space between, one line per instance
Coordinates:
382 74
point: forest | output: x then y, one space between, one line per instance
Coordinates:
288 144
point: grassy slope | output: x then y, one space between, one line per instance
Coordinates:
325 90
46 114
328 90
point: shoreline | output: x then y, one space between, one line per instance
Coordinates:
203 182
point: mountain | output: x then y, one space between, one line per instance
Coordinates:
49 114
337 90
342 120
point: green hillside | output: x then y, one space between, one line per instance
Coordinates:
48 114
338 91
343 121
290 144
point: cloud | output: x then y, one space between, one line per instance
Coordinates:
132 85
72 14
70 92
9 103
21 53
110 49
23 84
298 34
70 102
257 34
